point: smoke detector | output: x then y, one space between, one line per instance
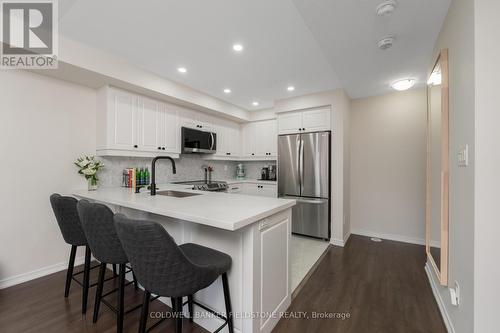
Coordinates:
386 8
386 42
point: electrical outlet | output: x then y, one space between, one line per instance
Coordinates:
455 294
463 156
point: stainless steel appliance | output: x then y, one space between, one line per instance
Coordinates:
304 175
196 141
272 172
240 171
201 185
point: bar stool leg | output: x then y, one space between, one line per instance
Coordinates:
86 276
98 293
190 308
144 312
69 273
227 300
115 274
136 286
121 290
178 314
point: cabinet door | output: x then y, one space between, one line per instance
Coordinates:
289 122
265 132
316 120
269 191
150 125
234 140
222 140
123 123
249 139
171 129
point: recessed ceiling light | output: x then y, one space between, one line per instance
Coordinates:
290 88
227 91
238 47
182 69
255 103
402 85
386 8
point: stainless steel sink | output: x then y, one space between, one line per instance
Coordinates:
176 194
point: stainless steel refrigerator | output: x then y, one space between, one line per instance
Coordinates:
304 175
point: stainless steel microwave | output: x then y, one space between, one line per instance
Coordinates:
196 141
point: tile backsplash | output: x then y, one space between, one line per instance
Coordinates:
189 167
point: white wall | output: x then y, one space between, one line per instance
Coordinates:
388 154
487 179
340 104
457 34
44 125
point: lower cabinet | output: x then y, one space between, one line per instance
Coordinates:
257 189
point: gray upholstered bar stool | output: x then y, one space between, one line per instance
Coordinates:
71 229
98 225
163 268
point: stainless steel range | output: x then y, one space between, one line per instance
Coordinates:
201 185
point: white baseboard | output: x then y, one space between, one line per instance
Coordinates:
17 279
446 318
337 242
393 237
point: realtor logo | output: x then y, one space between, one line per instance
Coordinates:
29 34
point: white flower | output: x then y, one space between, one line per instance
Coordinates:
83 163
89 172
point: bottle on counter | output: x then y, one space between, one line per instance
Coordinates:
139 176
146 176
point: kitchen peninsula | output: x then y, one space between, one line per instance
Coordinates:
254 231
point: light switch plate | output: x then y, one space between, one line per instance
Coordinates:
463 156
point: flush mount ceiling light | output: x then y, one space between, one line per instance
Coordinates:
227 91
386 42
255 103
386 8
182 69
238 47
290 88
404 84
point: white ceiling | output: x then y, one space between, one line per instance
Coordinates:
314 45
348 32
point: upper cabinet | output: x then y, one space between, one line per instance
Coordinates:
129 124
228 139
260 139
311 120
132 125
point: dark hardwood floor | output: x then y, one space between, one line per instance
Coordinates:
40 306
382 286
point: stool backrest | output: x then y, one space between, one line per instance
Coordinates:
67 218
99 228
158 263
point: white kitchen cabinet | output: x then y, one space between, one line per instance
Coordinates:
311 120
316 120
122 121
196 120
228 139
260 139
259 189
149 118
170 129
289 122
133 125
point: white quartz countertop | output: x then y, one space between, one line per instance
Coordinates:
215 209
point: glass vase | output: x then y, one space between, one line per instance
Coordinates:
92 184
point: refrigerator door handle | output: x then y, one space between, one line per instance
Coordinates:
301 164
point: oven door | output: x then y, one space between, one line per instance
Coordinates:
196 141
